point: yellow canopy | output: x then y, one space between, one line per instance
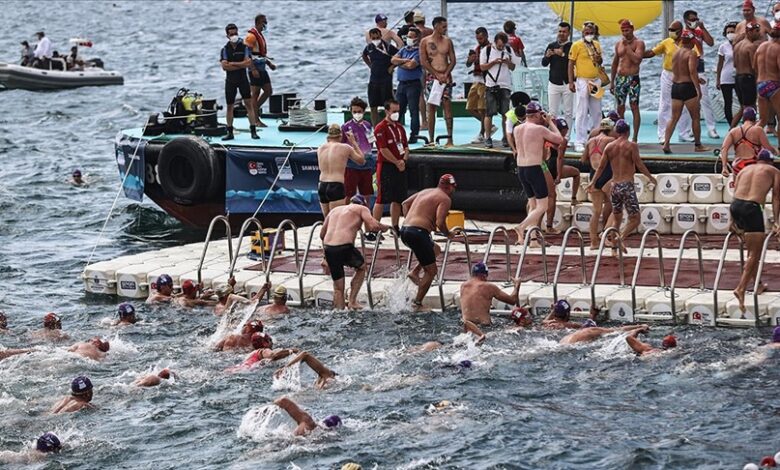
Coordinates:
607 15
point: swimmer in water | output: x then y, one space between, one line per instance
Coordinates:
559 316
305 422
47 443
426 347
6 353
264 352
52 329
278 303
324 375
94 349
591 332
153 380
240 341
477 294
640 348
226 298
3 322
162 290
775 344
76 179
80 397
190 298
126 313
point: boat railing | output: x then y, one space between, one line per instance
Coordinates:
540 236
564 243
302 267
223 219
370 274
602 244
269 266
639 256
702 288
719 272
244 226
453 231
758 275
508 257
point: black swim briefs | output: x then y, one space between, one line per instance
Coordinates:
533 182
745 86
747 215
606 175
683 91
331 191
419 240
342 255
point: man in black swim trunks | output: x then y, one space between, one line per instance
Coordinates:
338 237
332 157
747 213
235 58
686 91
745 78
425 212
593 154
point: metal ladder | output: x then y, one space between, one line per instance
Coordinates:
661 274
521 261
223 219
282 224
302 267
565 241
718 273
440 276
370 274
508 282
245 226
594 275
758 275
677 264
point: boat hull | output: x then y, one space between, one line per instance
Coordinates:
28 78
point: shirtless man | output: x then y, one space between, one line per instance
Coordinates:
767 66
305 422
437 57
153 380
278 305
747 213
625 84
338 234
559 317
593 154
686 91
745 79
623 156
162 290
332 158
477 294
640 348
240 341
94 349
387 34
52 329
126 313
264 352
76 179
325 376
47 443
749 13
530 138
747 140
590 332
80 397
425 212
226 299
190 297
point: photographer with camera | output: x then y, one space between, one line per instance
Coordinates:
497 62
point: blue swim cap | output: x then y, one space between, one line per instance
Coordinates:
776 335
359 199
164 280
562 309
80 385
126 310
465 363
76 173
613 116
589 323
622 127
479 268
332 421
48 442
765 155
749 114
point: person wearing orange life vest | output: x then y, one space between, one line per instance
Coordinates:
258 75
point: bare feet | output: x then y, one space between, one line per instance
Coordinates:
740 296
762 288
551 231
666 149
420 308
520 238
449 144
355 306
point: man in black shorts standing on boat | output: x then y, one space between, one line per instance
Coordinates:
425 212
338 238
332 157
745 79
235 59
623 156
392 151
752 185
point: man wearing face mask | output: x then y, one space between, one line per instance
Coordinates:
392 153
702 37
749 13
497 62
377 57
584 61
745 78
258 75
235 59
358 179
725 72
409 75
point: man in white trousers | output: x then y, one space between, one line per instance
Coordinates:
556 56
584 60
702 37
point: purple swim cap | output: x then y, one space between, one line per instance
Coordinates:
622 127
561 123
126 310
613 116
765 155
589 323
776 335
479 269
80 385
359 199
533 107
76 173
48 442
749 114
164 280
562 309
465 363
332 421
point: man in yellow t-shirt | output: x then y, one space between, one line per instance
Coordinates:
584 59
668 47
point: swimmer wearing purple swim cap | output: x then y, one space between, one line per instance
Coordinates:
305 422
560 317
162 290
80 397
47 443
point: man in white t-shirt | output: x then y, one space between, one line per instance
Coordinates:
42 51
497 62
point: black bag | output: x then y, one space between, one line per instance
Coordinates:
496 89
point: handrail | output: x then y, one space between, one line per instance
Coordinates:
219 218
594 275
506 244
677 269
440 280
661 271
370 273
722 261
244 226
282 224
758 274
302 268
540 235
565 241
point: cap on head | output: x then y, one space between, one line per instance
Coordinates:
622 127
748 5
670 341
351 466
447 180
380 18
102 345
606 124
224 291
418 16
359 199
589 323
613 116
164 374
334 131
280 292
533 107
80 385
3 320
561 123
52 321
776 335
626 23
189 287
255 325
521 316
479 269
749 114
164 280
562 309
765 155
465 363
48 442
126 310
752 25
768 462
687 34
231 26
262 341
332 421
76 173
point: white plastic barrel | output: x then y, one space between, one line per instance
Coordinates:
718 219
562 217
659 305
701 307
671 188
705 189
687 216
565 188
728 189
657 217
645 190
581 215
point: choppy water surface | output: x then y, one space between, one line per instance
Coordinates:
526 403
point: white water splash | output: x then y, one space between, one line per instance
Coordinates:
398 295
289 379
231 322
263 422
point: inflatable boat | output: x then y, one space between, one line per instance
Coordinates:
14 76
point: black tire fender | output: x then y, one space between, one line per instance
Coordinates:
188 170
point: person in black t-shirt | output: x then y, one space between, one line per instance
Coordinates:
377 56
556 56
235 59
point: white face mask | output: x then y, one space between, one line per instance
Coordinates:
357 117
777 15
233 39
410 42
692 24
376 42
730 36
394 117
589 37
